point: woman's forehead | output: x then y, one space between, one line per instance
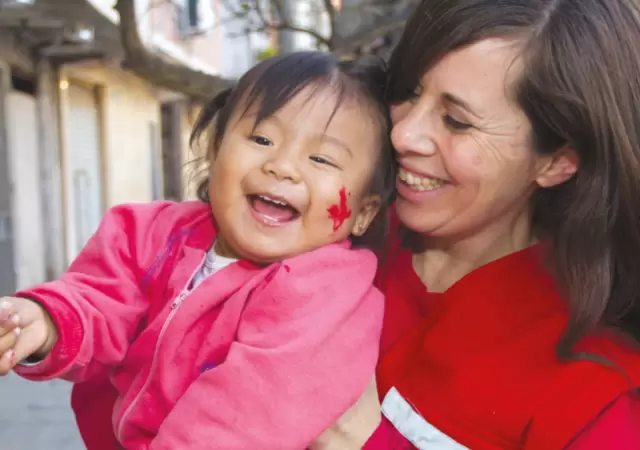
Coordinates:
483 71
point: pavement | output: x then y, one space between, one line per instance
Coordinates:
35 416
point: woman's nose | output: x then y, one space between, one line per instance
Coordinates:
413 131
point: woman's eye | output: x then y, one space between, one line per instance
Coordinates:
322 160
261 140
456 124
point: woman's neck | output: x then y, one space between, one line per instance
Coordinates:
444 262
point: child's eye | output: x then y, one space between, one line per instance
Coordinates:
322 160
261 140
455 124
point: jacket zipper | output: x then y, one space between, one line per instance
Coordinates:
175 305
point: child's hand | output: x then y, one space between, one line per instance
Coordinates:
26 329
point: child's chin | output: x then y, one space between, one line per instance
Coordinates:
264 255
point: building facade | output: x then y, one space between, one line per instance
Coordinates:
79 134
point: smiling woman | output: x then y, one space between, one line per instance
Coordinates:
513 303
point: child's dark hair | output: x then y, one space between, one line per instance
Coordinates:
274 82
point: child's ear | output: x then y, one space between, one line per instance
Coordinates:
368 211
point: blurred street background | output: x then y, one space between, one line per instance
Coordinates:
96 106
36 416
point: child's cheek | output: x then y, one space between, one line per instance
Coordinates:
339 212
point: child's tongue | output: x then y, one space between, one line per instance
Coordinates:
277 212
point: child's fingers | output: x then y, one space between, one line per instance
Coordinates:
6 310
15 311
7 362
9 340
9 325
19 346
31 340
7 350
8 317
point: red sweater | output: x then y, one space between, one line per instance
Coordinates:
480 367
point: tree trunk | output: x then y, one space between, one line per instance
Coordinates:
158 70
201 86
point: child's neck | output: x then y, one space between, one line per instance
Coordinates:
222 249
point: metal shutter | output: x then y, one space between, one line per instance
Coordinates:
84 188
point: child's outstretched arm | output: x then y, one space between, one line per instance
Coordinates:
97 305
306 350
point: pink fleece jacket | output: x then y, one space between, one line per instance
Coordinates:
253 358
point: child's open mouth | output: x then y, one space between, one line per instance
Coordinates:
272 211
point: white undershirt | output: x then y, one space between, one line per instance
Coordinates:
212 263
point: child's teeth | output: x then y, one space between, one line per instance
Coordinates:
277 202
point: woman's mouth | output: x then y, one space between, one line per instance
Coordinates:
272 211
420 183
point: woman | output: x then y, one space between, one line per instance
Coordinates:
512 299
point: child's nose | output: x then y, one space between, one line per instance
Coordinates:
283 167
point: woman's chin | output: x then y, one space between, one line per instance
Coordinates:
418 219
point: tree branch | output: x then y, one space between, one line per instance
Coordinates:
201 86
158 70
331 11
284 22
349 45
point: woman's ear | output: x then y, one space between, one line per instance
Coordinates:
368 211
558 167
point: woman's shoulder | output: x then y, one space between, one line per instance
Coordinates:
617 426
606 369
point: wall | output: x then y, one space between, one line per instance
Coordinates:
29 242
129 106
159 28
192 168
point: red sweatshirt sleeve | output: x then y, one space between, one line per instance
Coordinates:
97 304
618 426
306 349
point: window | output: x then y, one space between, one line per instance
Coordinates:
195 17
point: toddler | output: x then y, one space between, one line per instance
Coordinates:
248 320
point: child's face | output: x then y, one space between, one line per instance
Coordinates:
298 181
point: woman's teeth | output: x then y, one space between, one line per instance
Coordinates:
419 183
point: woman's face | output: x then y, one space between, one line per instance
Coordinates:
463 145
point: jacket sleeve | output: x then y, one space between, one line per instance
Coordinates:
97 304
306 349
618 426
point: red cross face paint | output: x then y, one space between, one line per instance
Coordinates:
338 213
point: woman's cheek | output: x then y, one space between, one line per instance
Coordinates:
464 162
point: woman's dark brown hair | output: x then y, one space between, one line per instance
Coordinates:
271 84
580 87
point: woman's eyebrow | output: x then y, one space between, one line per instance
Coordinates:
450 98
